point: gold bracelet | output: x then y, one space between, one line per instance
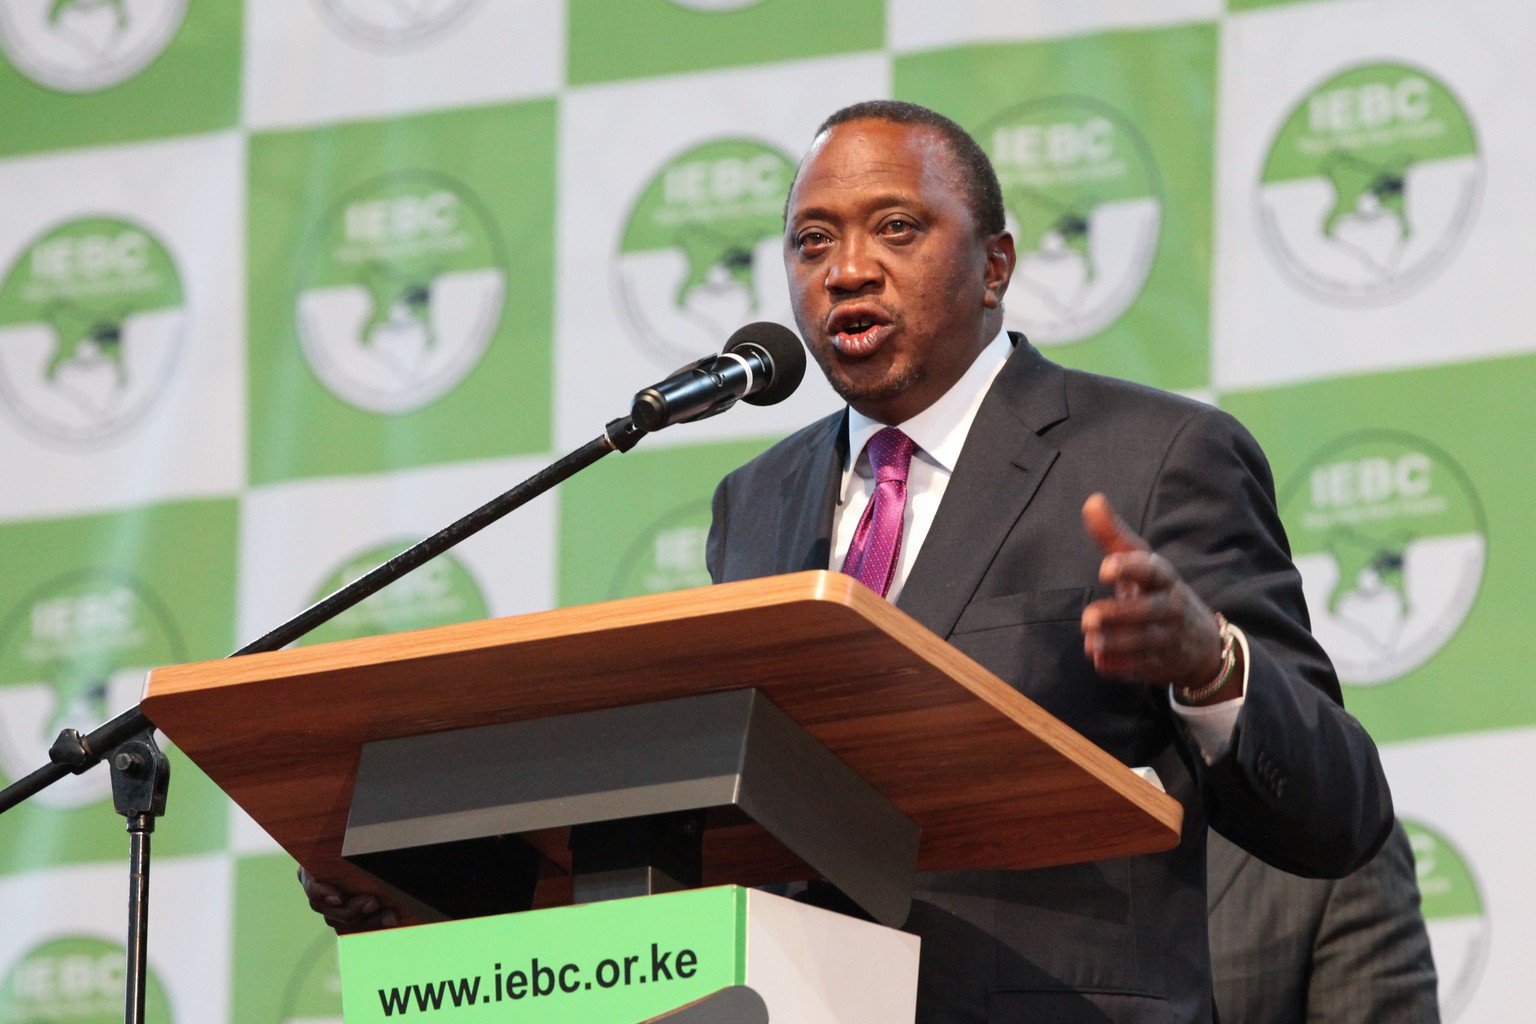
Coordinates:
1228 659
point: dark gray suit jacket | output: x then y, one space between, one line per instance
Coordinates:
1004 575
1288 950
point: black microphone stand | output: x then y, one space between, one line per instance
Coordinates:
140 771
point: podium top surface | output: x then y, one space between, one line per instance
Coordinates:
992 779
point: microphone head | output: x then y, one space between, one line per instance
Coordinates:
779 348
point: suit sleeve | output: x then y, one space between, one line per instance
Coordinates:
1301 785
1371 963
1350 951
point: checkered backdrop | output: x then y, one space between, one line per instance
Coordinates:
287 284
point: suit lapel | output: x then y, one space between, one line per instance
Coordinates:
808 498
998 472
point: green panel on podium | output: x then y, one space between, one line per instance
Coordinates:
628 961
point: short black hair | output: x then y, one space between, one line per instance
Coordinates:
978 180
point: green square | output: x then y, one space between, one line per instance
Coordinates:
1410 532
285 963
1104 147
653 540
73 79
87 605
400 282
612 41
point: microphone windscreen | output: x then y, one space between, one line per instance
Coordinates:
781 349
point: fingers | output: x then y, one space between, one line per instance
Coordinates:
346 911
1137 572
1106 527
1154 629
1123 636
1166 636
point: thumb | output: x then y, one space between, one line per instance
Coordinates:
1106 527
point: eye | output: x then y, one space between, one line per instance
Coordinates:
811 242
898 228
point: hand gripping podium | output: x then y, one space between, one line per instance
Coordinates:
744 734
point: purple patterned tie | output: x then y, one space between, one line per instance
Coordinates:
876 543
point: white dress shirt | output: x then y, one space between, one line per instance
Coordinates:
939 433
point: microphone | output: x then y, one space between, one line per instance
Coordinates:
762 363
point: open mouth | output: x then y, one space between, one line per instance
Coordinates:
858 332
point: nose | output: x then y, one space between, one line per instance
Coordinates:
853 267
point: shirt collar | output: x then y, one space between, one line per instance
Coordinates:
939 430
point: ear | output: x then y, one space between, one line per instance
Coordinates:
999 269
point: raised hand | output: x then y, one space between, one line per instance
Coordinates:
1154 629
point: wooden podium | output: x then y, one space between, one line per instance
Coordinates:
869 749
990 779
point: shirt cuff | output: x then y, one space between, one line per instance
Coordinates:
1213 724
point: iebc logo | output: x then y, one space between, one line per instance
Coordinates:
92 323
1370 185
1083 199
700 253
402 291
1391 541
73 654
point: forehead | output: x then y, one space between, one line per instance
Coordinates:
872 162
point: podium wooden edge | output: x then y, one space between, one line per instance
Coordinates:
169 691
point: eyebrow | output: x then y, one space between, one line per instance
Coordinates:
882 201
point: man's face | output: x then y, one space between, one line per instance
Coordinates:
894 290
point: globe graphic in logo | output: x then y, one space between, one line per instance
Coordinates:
701 251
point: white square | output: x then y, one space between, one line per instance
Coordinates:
85 909
81 431
1474 792
1309 283
295 537
316 61
624 323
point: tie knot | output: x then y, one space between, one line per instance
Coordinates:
890 454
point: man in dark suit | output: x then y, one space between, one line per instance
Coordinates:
898 259
1289 950
1014 549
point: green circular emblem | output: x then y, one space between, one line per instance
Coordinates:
1454 913
314 988
701 252
1084 204
86 45
1370 185
75 980
667 556
73 654
402 293
1391 541
438 593
92 323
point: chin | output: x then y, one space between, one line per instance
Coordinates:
885 389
